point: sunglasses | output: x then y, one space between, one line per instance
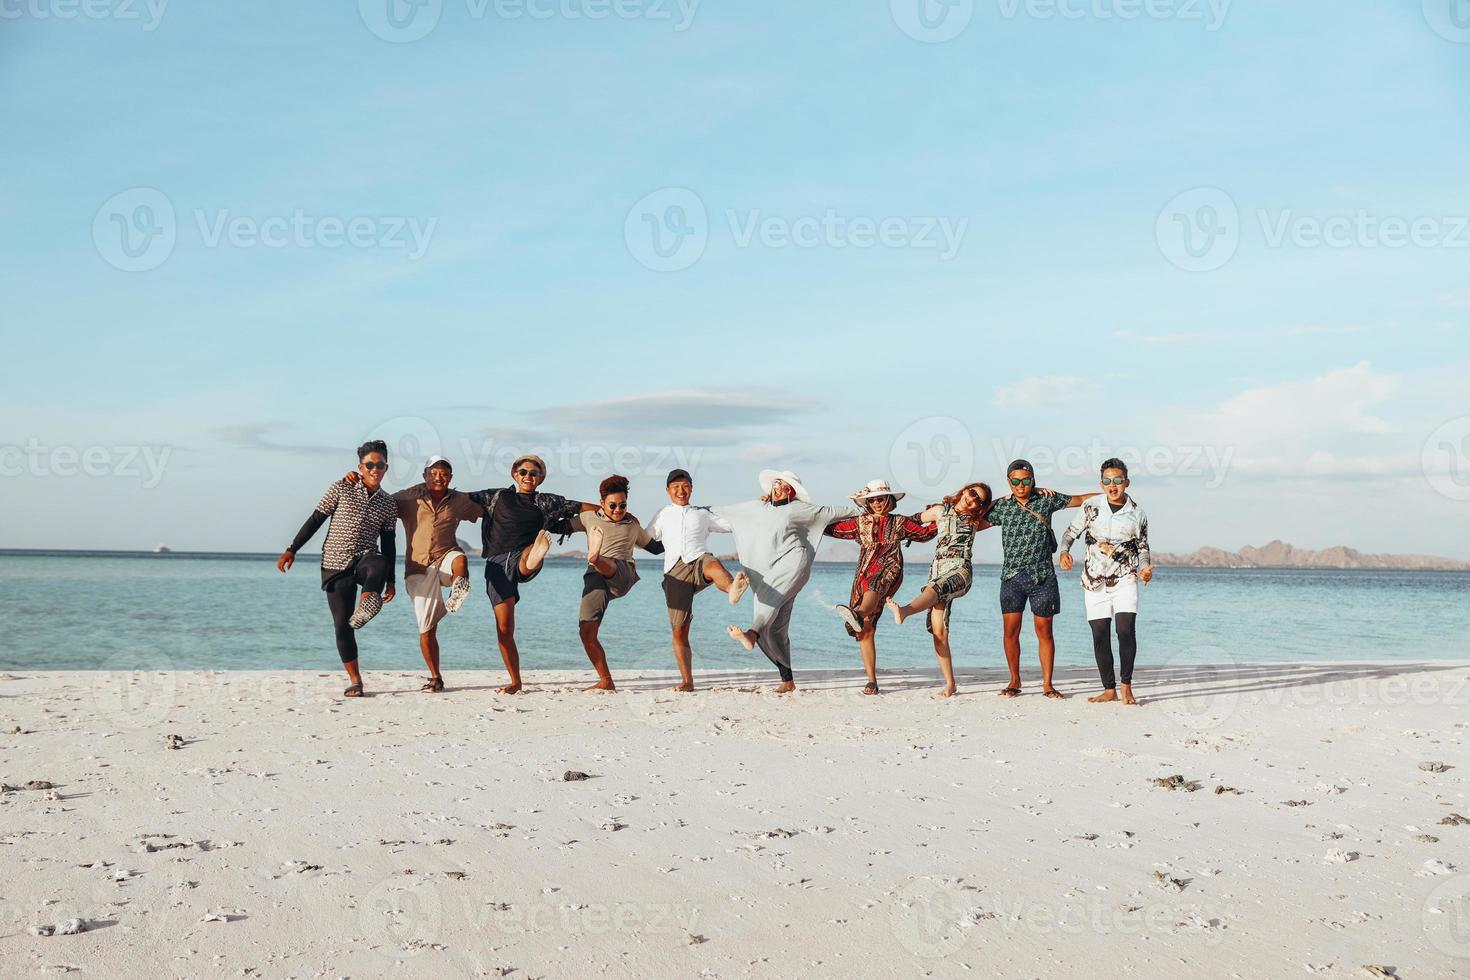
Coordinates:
376 466
1024 481
528 472
616 506
1114 481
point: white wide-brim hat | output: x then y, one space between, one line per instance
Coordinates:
769 477
878 488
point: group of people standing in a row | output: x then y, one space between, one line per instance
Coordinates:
776 539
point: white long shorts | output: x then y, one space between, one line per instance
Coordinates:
1120 598
427 591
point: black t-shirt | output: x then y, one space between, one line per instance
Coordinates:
519 517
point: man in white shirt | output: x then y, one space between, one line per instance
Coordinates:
689 567
1118 558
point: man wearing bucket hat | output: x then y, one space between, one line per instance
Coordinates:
1026 575
515 537
776 537
880 534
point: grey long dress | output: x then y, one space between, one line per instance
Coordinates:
777 545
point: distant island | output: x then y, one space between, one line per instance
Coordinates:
1279 554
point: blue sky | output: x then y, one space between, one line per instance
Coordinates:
1035 177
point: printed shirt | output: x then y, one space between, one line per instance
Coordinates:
513 521
360 517
956 541
1024 538
1117 542
431 527
684 532
880 539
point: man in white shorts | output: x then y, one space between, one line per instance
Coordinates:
431 513
1115 529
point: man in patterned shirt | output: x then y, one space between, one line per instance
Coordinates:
1117 559
359 551
1026 574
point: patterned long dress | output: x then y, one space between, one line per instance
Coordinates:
880 559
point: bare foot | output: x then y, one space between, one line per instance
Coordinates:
601 686
1128 697
785 687
509 689
1108 695
745 638
946 692
897 610
594 545
738 587
683 688
536 553
1009 692
1052 693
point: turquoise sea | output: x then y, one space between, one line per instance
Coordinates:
72 610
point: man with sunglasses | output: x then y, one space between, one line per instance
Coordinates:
1118 557
358 553
515 537
1026 574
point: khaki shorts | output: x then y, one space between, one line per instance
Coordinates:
427 591
681 584
598 591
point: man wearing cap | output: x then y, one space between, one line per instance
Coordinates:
1026 574
431 513
515 537
689 566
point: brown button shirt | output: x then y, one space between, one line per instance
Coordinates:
431 527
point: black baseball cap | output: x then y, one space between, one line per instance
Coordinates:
1021 464
676 475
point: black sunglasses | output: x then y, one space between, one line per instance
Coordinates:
1114 481
1024 481
376 466
616 506
528 472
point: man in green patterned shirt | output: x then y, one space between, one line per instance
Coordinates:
1026 574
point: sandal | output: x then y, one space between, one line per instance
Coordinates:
870 688
849 618
367 608
355 691
1009 692
1054 694
433 686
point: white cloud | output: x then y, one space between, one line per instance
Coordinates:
1031 393
1337 403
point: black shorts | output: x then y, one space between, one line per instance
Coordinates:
503 577
1044 596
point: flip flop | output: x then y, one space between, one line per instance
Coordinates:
1054 695
870 688
349 693
1009 692
433 686
849 617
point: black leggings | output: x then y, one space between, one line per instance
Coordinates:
371 573
1102 647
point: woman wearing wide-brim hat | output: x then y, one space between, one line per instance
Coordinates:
880 534
777 539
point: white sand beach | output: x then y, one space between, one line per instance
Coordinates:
732 833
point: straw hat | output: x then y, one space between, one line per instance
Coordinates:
769 477
878 488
